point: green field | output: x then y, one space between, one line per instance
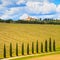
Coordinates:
27 33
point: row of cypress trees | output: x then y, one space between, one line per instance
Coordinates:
10 50
37 48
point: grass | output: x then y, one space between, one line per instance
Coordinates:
27 33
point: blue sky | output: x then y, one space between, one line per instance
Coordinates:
21 9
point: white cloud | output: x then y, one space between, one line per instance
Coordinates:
40 7
47 16
20 2
24 16
16 11
32 7
6 2
58 9
48 8
5 17
57 16
13 10
38 0
2 7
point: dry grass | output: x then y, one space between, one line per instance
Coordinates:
27 33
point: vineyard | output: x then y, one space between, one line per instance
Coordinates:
27 33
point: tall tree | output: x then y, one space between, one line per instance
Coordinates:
4 51
46 48
10 49
41 47
54 47
9 21
50 45
32 47
37 46
22 48
16 49
28 48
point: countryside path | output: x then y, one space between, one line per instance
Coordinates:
50 57
47 57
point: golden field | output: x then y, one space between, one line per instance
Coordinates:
27 33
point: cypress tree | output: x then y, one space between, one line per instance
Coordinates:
46 48
22 48
50 47
41 47
37 46
54 49
4 51
10 49
28 48
32 47
16 49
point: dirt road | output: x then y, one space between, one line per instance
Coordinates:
50 57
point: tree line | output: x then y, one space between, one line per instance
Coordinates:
47 46
36 21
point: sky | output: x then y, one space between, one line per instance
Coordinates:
21 9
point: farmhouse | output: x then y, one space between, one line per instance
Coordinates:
30 18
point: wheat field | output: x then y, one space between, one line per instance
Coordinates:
27 33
